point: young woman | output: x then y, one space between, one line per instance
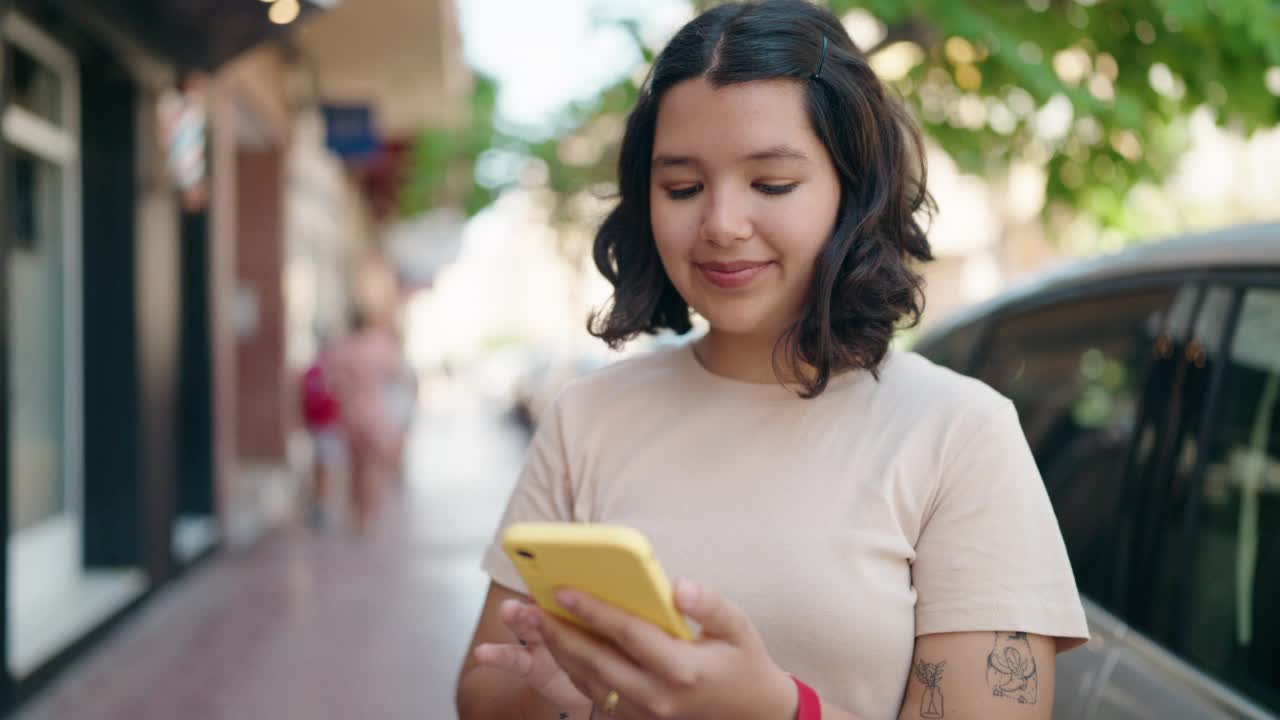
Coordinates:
851 520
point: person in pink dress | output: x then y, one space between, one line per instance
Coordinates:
367 366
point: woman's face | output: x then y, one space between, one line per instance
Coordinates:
743 196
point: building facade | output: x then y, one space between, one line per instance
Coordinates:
176 235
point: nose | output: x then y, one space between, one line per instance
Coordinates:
727 220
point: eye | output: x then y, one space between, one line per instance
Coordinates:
768 189
683 192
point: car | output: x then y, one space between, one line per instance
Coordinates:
1148 386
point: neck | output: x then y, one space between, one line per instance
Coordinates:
742 357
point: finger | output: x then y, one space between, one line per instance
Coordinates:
647 644
508 658
627 710
718 617
510 613
595 666
510 609
515 615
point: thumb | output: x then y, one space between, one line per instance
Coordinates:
718 617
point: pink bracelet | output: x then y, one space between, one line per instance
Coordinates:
809 707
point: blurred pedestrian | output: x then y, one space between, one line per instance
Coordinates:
365 364
869 531
402 399
322 417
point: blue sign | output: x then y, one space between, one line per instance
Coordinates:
349 131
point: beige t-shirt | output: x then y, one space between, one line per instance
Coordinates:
845 525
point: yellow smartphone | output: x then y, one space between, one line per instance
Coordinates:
612 562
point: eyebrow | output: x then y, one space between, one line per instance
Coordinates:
777 152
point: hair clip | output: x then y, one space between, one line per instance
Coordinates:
823 61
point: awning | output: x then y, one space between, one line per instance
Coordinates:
201 34
401 59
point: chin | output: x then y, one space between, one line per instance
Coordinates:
745 322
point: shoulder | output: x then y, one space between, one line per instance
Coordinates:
641 376
938 411
606 405
915 381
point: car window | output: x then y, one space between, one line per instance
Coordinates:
1233 618
1076 372
1164 484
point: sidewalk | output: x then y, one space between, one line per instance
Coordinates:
308 626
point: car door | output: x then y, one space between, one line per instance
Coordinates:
1145 673
1219 562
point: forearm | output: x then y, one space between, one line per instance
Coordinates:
831 712
805 701
488 694
802 703
1006 675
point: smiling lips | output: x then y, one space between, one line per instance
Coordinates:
731 275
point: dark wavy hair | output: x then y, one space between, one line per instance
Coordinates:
864 284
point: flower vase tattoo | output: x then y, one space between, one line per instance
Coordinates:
930 675
1011 668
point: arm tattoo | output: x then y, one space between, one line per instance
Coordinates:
1011 668
930 675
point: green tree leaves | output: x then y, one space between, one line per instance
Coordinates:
1097 91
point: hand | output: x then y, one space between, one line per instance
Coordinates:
726 673
530 660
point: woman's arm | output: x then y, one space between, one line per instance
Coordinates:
489 693
990 675
998 675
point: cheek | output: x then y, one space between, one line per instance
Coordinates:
821 220
800 234
672 230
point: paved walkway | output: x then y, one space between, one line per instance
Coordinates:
308 626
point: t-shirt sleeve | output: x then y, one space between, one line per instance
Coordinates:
990 555
542 494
